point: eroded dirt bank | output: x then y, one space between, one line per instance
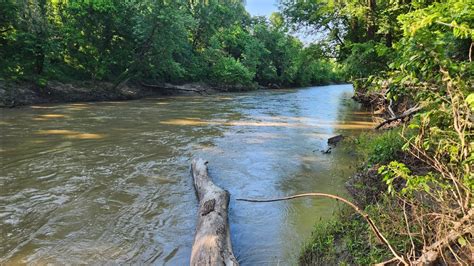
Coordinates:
19 94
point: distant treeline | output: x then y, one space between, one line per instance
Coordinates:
175 41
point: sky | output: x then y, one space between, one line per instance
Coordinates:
261 7
266 8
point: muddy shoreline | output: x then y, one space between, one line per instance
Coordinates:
14 94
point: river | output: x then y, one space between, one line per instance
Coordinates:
110 181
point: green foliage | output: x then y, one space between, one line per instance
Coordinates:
379 148
366 59
455 14
313 68
385 147
361 33
470 101
344 239
396 170
418 54
348 239
317 72
161 41
230 71
429 56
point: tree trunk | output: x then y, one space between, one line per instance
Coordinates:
212 245
371 24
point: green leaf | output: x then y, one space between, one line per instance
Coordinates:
462 241
470 101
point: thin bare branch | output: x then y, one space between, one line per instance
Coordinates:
371 223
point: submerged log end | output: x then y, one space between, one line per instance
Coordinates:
212 244
336 139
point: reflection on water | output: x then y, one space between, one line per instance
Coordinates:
304 124
110 182
71 134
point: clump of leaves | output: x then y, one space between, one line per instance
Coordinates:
376 147
411 183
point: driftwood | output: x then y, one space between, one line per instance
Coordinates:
327 151
168 86
334 140
212 245
407 113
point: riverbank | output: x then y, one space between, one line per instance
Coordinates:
406 186
14 94
347 237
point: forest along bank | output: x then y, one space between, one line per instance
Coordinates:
110 182
151 42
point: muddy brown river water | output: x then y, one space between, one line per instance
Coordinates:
110 181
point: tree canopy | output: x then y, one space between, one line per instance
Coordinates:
161 41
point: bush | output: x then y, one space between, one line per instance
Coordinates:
267 74
379 148
229 71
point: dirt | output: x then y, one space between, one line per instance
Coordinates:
13 94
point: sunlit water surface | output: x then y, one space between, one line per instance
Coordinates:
110 182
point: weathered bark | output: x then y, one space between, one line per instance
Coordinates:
212 245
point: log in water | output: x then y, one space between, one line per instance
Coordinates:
212 245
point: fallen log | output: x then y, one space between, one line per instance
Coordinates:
168 86
334 140
212 244
408 112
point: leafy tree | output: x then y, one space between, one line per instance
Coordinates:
156 41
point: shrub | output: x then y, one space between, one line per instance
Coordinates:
229 71
379 148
